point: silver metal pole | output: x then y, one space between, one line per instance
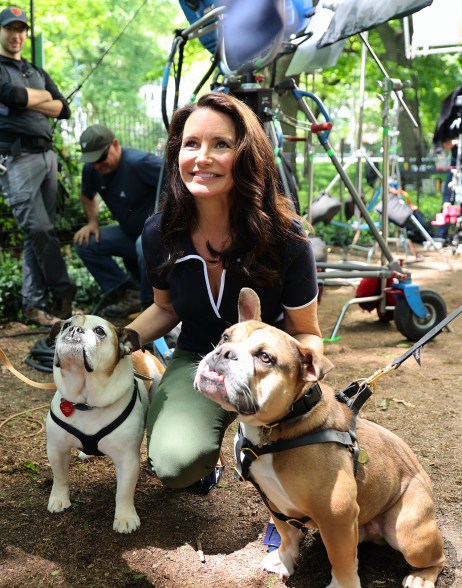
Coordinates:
384 71
359 132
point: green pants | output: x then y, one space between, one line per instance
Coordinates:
184 429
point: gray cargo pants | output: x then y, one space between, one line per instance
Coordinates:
30 187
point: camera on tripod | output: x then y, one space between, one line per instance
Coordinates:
258 99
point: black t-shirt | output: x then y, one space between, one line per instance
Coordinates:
130 191
203 319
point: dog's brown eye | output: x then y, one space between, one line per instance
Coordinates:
100 332
266 358
224 338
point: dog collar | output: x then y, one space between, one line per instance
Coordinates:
67 407
301 406
298 409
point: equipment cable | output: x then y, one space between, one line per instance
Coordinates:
98 63
41 356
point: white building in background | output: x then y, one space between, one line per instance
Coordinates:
436 29
152 93
152 96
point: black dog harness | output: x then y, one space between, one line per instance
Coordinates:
90 442
353 396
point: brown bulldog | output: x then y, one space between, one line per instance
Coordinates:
314 462
99 406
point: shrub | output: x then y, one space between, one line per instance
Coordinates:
88 291
10 286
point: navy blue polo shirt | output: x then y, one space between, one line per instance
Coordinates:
203 318
130 191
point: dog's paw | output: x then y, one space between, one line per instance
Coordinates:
336 584
58 503
413 581
126 521
272 563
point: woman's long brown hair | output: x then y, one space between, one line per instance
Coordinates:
260 216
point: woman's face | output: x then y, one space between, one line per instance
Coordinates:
207 154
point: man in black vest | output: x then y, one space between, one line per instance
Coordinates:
28 99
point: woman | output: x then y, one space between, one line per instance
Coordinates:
224 225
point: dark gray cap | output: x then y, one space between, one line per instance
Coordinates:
13 14
94 141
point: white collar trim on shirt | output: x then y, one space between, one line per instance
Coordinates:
214 305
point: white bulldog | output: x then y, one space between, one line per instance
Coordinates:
99 406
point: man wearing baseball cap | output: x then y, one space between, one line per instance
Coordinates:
127 181
28 99
13 14
94 142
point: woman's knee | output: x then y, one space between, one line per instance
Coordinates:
180 467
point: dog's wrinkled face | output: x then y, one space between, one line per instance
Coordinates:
91 343
257 370
252 363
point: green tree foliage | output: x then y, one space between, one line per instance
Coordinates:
131 38
10 285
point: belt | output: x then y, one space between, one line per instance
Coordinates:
26 143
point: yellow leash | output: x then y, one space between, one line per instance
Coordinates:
371 381
43 385
415 351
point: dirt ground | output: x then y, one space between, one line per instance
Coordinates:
79 548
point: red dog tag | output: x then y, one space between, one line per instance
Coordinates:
66 408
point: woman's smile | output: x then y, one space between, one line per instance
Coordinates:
205 176
207 154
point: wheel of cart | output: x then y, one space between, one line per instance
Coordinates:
414 326
389 292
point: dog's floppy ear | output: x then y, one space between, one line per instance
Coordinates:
55 329
129 341
249 305
315 365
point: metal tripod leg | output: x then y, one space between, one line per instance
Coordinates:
299 96
347 305
429 238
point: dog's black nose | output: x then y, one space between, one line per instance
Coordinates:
76 330
226 352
